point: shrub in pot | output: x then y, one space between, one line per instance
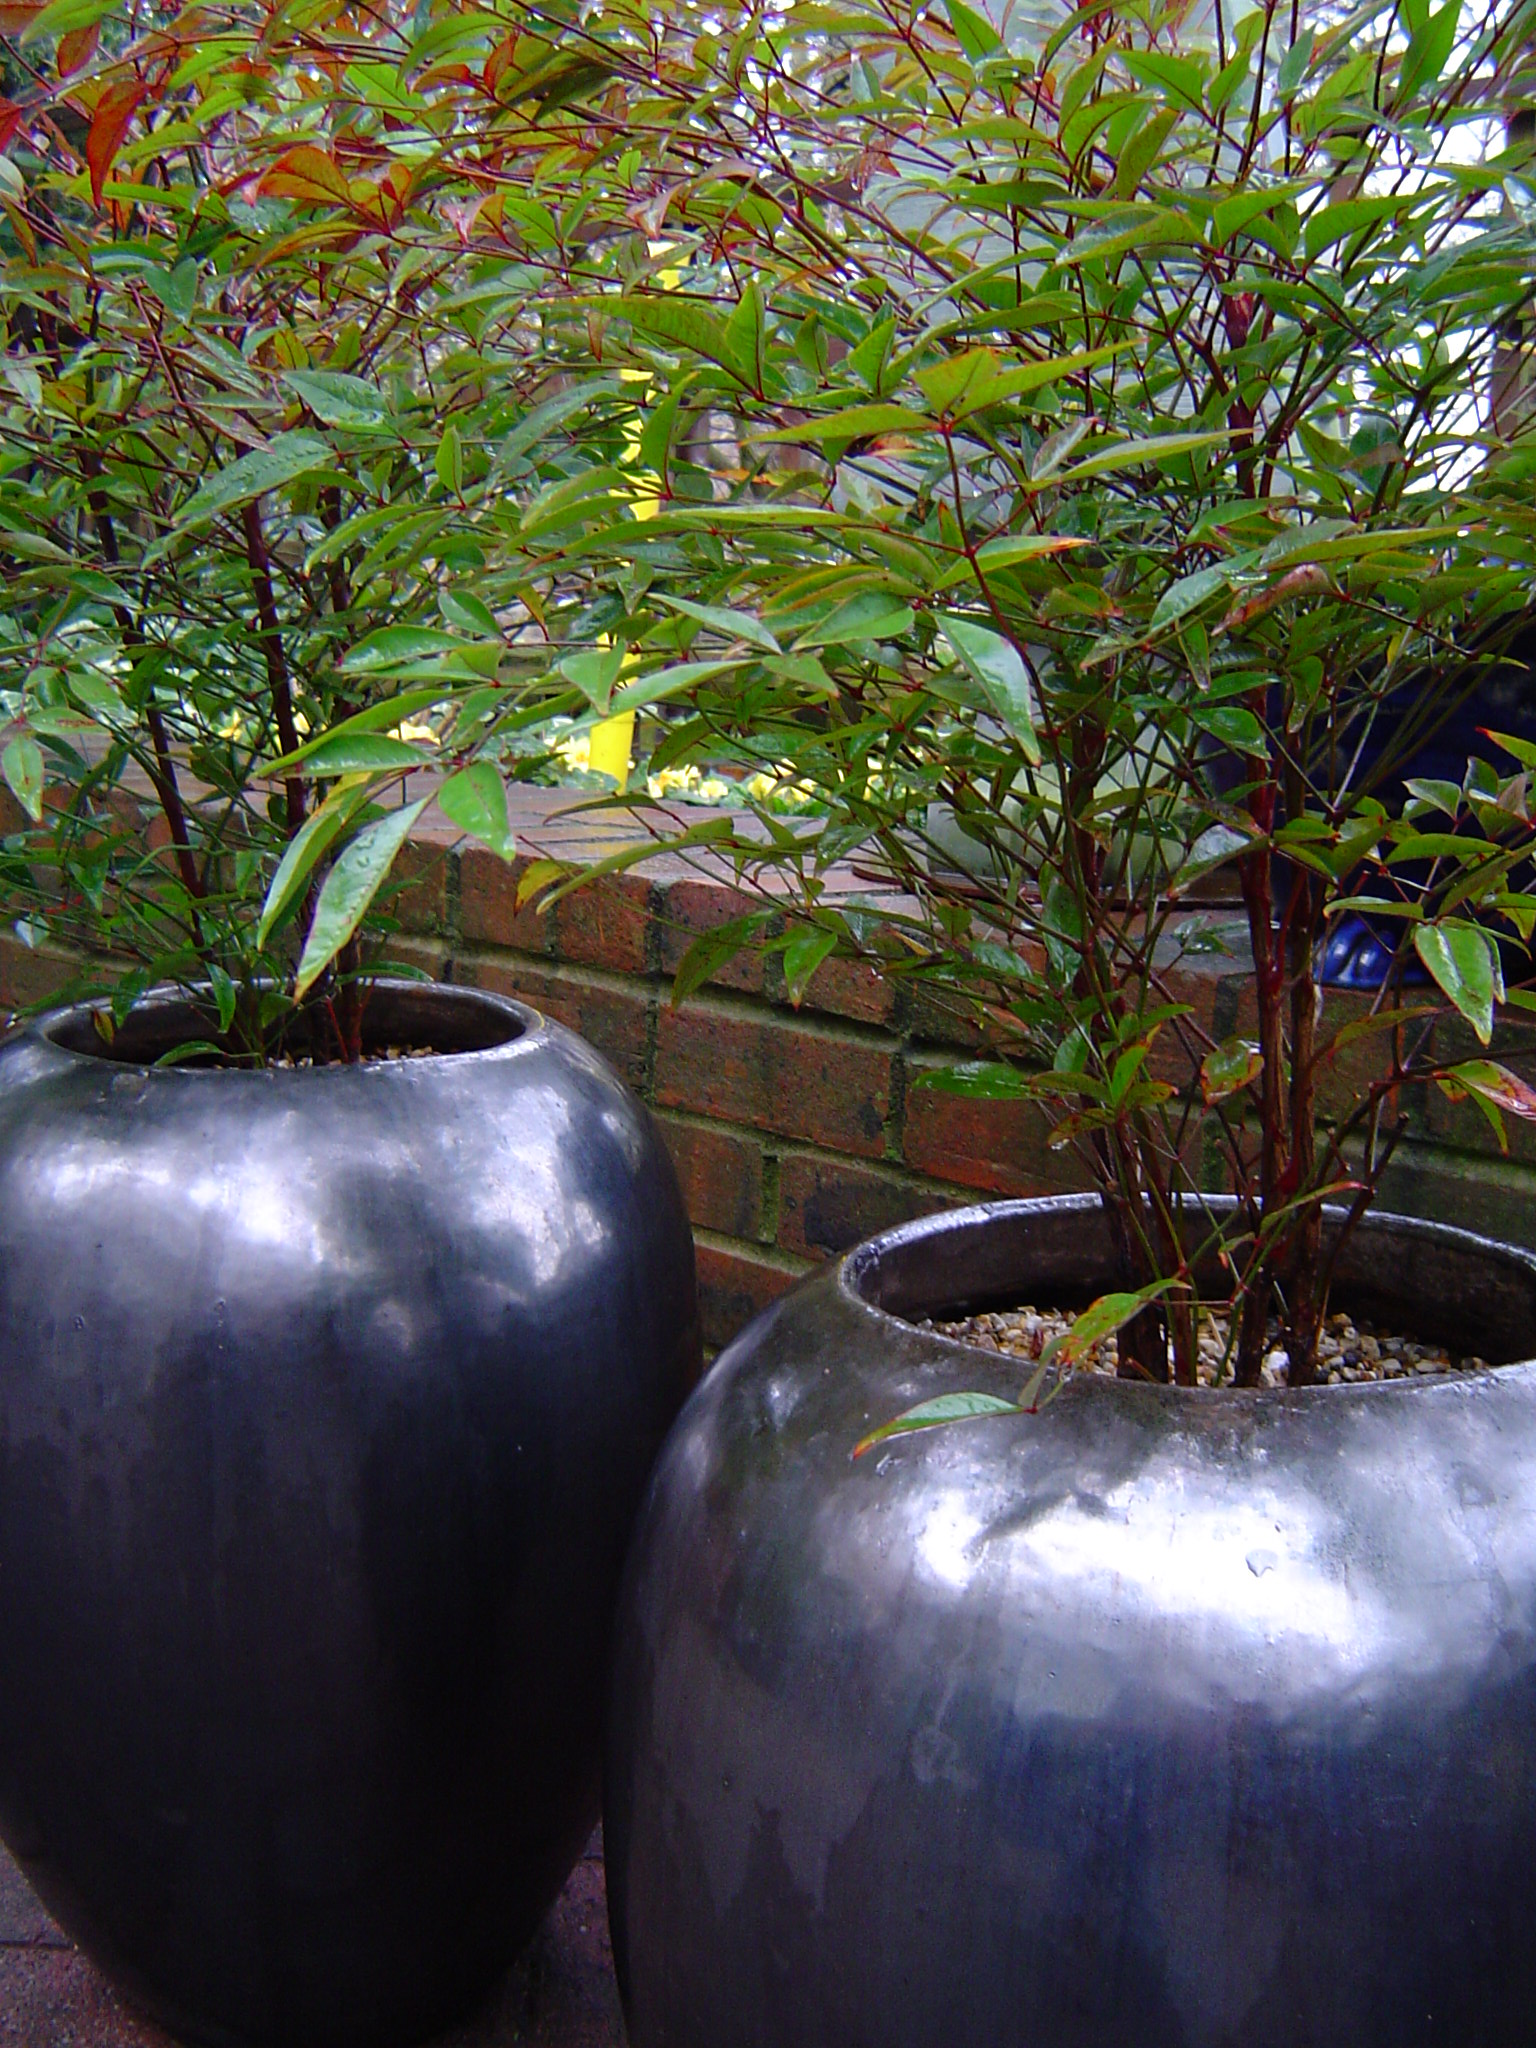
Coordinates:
340 1316
1116 456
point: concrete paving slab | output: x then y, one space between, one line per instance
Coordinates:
561 1994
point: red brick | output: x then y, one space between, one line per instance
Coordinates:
851 988
32 974
999 1147
735 1285
775 1073
721 1176
611 1018
690 909
488 911
826 1206
604 925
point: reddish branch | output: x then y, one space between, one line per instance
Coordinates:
163 774
260 563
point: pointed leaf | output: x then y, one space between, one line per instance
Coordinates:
263 469
933 1414
476 801
735 625
109 124
1099 1320
803 954
1498 1085
1464 961
999 668
337 399
350 887
872 615
22 766
303 850
1228 1068
1187 595
364 753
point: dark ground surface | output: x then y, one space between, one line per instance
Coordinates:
561 1995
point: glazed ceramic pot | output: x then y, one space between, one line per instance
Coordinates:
1156 1719
326 1400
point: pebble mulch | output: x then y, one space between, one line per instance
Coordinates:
1347 1351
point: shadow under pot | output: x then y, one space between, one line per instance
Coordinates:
1155 1719
327 1396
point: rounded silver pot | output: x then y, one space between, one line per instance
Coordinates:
1156 1719
327 1397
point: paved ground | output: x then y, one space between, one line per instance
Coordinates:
561 1995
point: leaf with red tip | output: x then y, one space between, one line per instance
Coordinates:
109 124
1496 1084
308 174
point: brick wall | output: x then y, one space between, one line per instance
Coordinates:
797 1132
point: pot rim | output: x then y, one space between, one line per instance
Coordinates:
856 1268
527 1027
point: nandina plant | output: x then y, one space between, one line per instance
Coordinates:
1088 464
1084 461
266 422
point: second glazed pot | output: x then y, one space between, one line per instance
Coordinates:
1157 1719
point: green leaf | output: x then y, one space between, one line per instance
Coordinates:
594 672
1228 1068
364 753
373 718
1139 454
735 625
394 647
1233 726
667 682
980 1081
804 952
476 801
932 1414
1464 962
974 33
1143 151
175 289
470 614
872 615
264 469
1099 1320
350 887
856 423
712 949
22 766
997 665
867 362
554 412
450 461
317 832
1188 594
338 400
1294 66
1010 549
1429 50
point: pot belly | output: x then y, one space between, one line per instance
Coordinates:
320 1438
1149 1719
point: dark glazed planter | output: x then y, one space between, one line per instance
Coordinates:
1155 1720
326 1401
